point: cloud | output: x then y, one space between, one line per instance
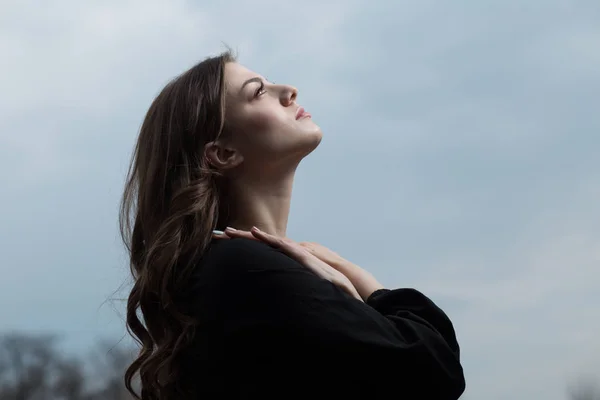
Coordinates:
106 60
460 157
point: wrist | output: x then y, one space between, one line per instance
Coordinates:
367 288
364 282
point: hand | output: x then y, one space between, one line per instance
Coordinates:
324 254
363 281
298 253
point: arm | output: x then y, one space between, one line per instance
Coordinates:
397 334
364 282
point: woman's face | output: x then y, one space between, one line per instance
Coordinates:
265 124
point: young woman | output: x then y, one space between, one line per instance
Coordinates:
247 313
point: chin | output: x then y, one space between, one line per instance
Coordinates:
311 140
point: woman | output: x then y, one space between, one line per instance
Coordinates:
247 313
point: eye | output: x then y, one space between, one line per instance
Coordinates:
261 90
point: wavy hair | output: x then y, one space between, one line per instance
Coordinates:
170 205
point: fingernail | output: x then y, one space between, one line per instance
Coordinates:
255 229
230 229
217 232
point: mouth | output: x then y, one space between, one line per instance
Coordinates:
301 113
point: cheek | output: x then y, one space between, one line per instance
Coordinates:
262 122
263 131
271 132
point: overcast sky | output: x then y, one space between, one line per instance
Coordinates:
461 156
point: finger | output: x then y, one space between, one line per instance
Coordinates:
237 233
231 233
217 234
266 237
308 249
308 246
288 246
312 249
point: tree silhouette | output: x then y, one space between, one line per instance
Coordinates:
584 389
27 365
33 368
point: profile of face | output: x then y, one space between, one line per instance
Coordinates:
265 128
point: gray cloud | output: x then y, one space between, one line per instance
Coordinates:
460 157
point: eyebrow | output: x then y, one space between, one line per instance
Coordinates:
251 80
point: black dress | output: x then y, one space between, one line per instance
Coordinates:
271 329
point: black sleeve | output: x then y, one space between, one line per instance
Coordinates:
398 335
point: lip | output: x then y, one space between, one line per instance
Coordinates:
301 113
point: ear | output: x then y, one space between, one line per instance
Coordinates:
221 156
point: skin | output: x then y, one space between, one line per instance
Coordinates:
364 282
261 148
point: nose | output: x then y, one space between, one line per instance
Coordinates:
288 95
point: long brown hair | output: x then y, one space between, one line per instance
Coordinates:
171 204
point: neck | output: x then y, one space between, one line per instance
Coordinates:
264 203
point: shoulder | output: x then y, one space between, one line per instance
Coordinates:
229 268
245 255
234 269
238 249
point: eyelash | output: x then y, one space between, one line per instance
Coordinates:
261 90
